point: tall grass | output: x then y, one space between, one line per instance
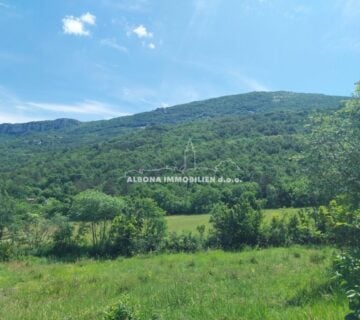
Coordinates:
281 283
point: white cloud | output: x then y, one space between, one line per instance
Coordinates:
77 25
16 118
112 43
142 32
15 110
88 107
88 18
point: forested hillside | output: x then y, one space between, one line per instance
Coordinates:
242 104
37 126
257 137
69 190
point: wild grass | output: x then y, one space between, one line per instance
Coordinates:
189 223
279 283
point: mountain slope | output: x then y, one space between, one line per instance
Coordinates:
38 126
261 134
241 104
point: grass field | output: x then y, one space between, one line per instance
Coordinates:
283 283
180 223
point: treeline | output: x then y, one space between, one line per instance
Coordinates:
100 225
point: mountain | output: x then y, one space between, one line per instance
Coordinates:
257 137
241 104
38 126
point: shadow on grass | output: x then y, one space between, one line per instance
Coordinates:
314 293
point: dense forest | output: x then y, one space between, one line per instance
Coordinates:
258 138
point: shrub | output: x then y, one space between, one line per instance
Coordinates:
139 228
239 225
6 251
276 234
121 311
347 270
184 242
302 229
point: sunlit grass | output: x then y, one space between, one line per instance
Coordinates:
283 283
189 223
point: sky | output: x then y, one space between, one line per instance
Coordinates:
102 59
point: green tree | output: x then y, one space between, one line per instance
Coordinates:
335 152
238 225
62 236
7 212
204 199
334 156
140 227
98 209
276 233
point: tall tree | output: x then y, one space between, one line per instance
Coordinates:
335 152
7 212
97 209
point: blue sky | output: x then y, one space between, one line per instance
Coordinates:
101 59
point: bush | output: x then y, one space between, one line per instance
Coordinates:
239 225
276 234
6 251
120 311
347 270
139 228
185 242
302 229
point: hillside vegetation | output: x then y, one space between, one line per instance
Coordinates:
259 137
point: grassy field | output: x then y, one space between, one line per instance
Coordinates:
283 283
180 223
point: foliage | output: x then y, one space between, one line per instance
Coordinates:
97 209
302 229
347 268
239 225
277 233
140 227
6 251
120 311
335 150
263 133
185 242
6 212
335 154
63 241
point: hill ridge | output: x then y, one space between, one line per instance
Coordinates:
237 104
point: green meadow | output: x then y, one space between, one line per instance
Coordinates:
280 283
189 223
